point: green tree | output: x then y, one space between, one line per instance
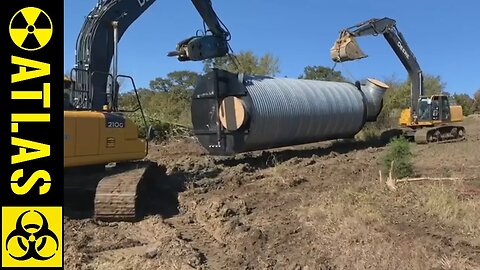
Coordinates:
167 101
321 73
172 98
183 79
476 101
246 62
398 153
128 100
466 102
433 85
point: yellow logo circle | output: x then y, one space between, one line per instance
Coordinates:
31 28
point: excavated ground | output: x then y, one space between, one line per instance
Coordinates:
318 206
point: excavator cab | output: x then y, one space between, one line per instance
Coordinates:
424 109
440 108
435 108
346 48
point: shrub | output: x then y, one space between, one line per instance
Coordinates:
163 129
369 133
398 151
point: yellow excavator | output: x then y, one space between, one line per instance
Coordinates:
429 118
103 150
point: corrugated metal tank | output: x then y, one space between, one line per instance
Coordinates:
233 113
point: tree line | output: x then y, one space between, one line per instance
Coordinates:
166 101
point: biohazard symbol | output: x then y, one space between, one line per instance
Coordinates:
23 234
31 28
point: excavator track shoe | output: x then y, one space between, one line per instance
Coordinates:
122 196
440 134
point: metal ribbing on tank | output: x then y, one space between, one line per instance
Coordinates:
291 111
266 112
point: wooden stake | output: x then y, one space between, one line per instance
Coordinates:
428 179
390 180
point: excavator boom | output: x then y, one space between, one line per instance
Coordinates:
97 38
428 118
346 48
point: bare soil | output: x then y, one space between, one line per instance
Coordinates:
318 206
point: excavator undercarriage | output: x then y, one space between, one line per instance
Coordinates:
439 134
427 135
124 192
123 195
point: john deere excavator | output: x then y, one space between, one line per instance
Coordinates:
429 118
97 132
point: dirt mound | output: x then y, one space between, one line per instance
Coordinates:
317 206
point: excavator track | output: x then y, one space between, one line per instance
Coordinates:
440 134
123 196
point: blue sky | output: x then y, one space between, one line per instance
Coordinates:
442 34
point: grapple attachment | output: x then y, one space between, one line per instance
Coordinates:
200 48
346 48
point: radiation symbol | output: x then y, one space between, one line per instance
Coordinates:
31 28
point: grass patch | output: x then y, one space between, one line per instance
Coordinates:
350 226
443 202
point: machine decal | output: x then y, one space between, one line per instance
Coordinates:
400 46
114 121
110 142
142 2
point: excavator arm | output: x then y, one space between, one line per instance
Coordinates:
346 49
96 43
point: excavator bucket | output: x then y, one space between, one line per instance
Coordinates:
346 48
